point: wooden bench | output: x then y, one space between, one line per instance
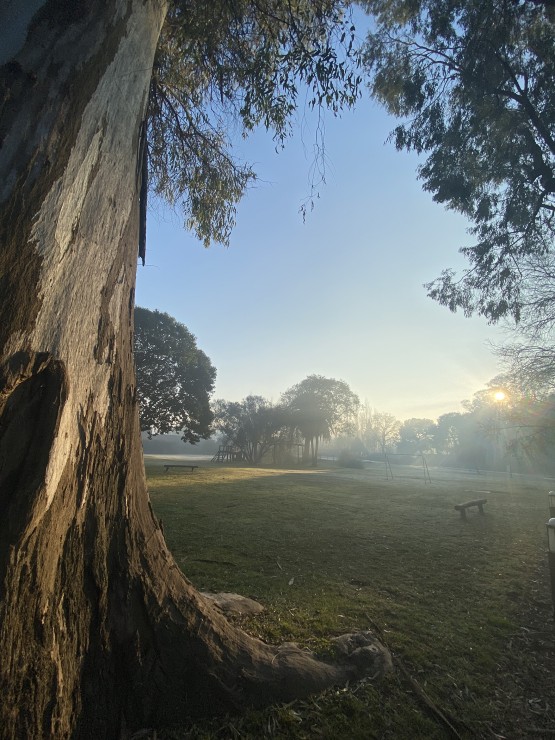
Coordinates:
479 502
191 467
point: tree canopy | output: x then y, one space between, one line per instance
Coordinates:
174 378
474 86
377 430
314 409
416 436
528 355
222 67
252 425
320 407
385 428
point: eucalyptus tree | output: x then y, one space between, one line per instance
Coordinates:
473 84
100 633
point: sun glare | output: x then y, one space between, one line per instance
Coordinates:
499 396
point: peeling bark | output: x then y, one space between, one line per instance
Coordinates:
98 627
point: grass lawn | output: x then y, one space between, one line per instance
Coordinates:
464 606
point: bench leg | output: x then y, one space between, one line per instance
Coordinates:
463 513
481 508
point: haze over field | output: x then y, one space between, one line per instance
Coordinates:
340 295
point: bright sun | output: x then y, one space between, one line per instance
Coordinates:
499 396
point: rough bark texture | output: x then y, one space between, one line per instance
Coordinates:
98 628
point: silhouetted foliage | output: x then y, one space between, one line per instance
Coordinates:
474 85
253 425
320 407
416 435
384 430
223 67
528 357
174 378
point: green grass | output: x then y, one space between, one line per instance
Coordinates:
335 550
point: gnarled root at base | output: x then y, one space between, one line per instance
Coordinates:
300 673
232 671
359 654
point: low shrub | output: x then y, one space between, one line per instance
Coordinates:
346 459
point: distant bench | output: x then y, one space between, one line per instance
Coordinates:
192 468
479 502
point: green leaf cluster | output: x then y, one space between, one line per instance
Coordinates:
316 408
474 86
252 425
174 378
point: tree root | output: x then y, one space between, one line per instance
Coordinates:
289 672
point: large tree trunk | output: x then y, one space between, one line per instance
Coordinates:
98 628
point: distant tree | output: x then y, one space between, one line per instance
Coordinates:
377 430
447 433
516 429
517 420
174 378
320 407
364 427
416 435
346 443
474 85
501 423
469 439
386 428
253 425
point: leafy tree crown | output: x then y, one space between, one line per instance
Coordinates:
474 86
175 378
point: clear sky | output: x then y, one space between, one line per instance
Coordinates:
340 295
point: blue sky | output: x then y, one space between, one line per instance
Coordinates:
340 295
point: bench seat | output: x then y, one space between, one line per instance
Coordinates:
478 502
192 468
